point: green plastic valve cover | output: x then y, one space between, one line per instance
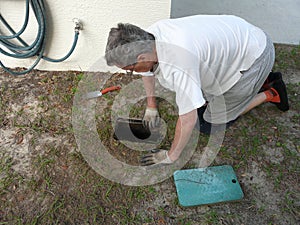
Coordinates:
207 185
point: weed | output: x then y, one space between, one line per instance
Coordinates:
212 217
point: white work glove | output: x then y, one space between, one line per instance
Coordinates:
156 156
151 117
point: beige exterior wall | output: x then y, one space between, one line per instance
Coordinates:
97 18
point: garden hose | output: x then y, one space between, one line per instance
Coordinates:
37 48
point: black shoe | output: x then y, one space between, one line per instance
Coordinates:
280 87
272 77
209 128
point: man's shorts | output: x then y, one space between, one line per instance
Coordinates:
226 108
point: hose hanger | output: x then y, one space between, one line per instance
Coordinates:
23 50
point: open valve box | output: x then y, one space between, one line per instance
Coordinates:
135 131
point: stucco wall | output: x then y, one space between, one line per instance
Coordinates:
279 18
97 16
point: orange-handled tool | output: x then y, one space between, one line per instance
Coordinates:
96 94
109 89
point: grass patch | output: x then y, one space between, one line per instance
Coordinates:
63 189
287 57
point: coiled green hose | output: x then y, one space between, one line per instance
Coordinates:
37 48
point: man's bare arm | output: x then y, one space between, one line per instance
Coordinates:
149 84
184 128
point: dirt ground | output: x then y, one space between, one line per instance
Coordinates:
44 179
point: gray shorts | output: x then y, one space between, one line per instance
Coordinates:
227 107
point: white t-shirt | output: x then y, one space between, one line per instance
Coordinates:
203 55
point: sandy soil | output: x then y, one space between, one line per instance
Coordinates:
45 180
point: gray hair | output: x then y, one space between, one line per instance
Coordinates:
125 43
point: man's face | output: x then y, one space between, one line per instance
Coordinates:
145 63
143 66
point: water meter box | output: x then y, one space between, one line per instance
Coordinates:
207 185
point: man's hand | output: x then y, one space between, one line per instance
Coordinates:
156 156
151 117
